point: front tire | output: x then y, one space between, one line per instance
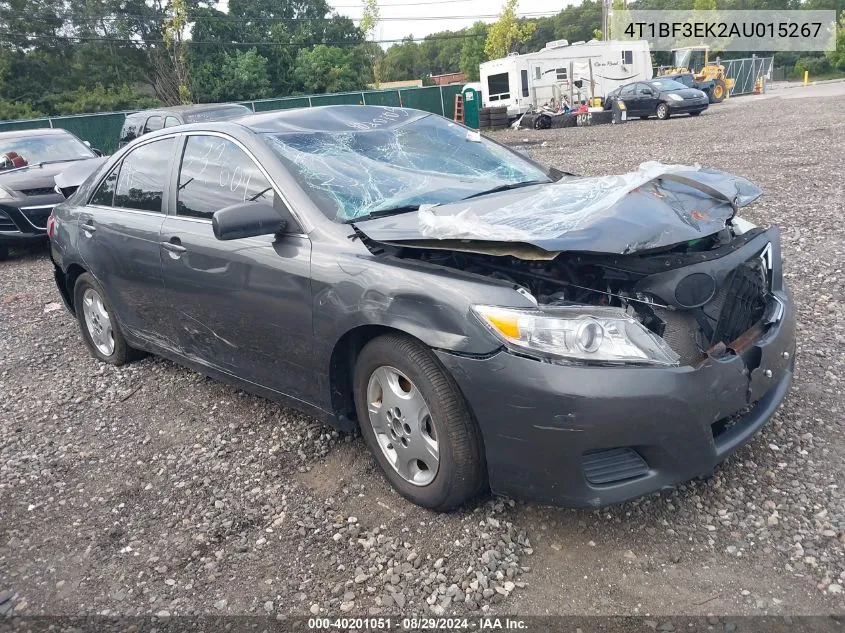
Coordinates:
97 323
719 91
662 111
417 424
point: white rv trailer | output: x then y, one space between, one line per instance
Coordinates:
561 69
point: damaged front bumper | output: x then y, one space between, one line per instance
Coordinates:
590 436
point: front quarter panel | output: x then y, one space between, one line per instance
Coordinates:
354 288
428 302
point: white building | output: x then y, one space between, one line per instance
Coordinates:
587 69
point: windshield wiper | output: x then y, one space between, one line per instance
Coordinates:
379 213
507 187
63 160
48 162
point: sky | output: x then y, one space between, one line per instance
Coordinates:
398 16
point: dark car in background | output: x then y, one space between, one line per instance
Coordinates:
689 80
29 161
479 317
140 123
658 97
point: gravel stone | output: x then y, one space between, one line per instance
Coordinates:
116 481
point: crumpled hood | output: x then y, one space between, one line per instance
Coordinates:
654 207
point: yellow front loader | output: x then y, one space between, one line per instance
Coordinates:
695 60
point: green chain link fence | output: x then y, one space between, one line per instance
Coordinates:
102 130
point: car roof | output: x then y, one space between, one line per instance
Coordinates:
40 131
337 118
183 109
333 118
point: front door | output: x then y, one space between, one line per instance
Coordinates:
646 99
241 306
119 239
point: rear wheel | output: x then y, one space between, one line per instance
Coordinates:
662 111
98 325
719 91
417 424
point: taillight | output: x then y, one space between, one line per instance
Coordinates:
51 225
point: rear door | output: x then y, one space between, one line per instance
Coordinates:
119 234
240 306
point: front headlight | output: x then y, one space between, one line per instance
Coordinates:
584 333
674 97
5 194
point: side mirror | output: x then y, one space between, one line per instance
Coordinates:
250 219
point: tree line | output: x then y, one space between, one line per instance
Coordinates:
77 56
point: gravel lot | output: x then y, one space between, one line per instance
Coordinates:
151 489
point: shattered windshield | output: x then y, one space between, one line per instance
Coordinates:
353 174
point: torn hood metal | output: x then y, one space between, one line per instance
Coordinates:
654 207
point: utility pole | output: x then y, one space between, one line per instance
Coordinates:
605 19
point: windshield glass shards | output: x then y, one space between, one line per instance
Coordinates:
355 174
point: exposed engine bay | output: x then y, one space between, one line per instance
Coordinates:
699 296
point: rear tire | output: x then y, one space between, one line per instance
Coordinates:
395 372
98 324
662 111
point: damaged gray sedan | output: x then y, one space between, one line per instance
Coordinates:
484 321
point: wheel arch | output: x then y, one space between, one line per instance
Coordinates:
342 369
73 272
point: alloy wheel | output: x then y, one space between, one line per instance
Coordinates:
402 425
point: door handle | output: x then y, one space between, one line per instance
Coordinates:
174 247
88 228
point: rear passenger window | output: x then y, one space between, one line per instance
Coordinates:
215 174
171 121
105 192
143 176
153 123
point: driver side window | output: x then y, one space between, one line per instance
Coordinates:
215 174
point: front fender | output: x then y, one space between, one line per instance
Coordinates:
428 302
